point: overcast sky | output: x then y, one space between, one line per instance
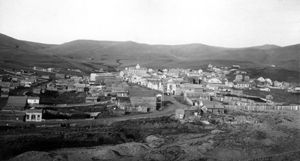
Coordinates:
227 23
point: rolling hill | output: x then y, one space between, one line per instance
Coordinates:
90 54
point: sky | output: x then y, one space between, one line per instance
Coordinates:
226 23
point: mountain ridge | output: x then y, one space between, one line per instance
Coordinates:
125 53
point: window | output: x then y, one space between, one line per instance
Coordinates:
38 117
27 117
32 117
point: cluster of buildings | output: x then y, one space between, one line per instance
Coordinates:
101 89
134 89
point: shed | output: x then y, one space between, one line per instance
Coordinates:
15 103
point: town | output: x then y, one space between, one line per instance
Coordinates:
29 97
139 107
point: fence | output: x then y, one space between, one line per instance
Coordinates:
71 105
264 107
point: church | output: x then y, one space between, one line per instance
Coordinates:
137 70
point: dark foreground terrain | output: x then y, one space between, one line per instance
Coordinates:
249 135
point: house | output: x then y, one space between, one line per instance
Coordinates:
91 99
155 84
212 106
5 84
122 94
5 89
188 88
265 89
4 94
99 75
242 85
14 85
235 67
173 73
36 90
26 83
12 116
33 115
33 100
80 87
123 102
194 79
45 77
214 81
151 99
15 103
169 87
277 84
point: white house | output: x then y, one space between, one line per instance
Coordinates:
33 115
33 100
169 86
242 85
214 81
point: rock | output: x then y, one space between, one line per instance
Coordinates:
216 131
154 141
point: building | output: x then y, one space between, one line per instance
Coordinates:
214 81
15 103
91 99
123 102
169 87
242 85
4 94
12 116
235 67
94 75
45 77
212 106
33 100
60 76
151 99
33 115
138 70
37 90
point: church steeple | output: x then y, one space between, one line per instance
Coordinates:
138 64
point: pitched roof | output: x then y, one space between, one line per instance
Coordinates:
143 93
34 111
15 103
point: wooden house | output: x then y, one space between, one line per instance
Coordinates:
15 103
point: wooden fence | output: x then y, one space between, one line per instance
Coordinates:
265 107
71 105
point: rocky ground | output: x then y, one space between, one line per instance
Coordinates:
266 135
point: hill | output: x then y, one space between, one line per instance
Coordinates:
90 54
189 56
